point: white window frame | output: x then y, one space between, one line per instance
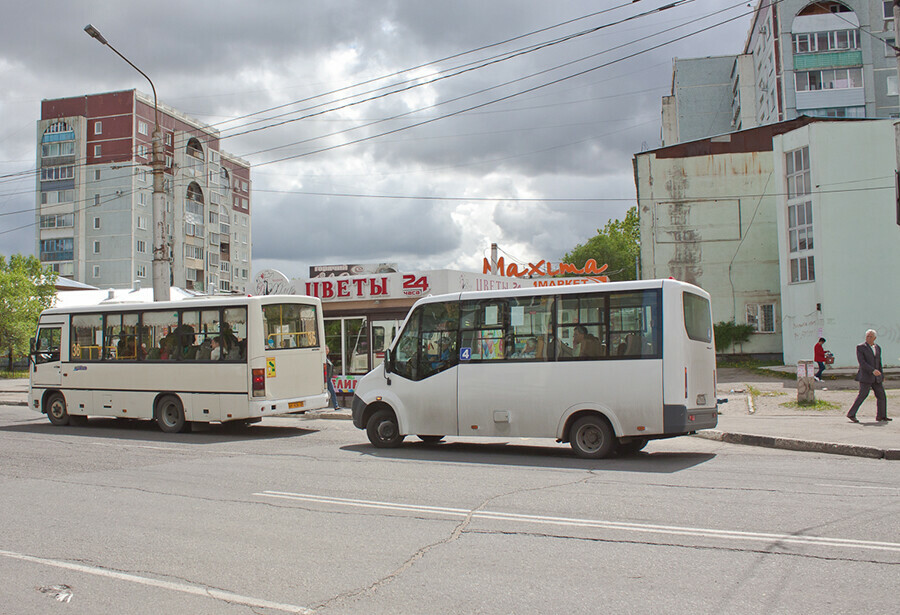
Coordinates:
96 247
140 246
98 151
98 127
141 271
96 271
96 222
762 317
143 127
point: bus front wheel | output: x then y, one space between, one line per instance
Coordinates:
383 430
170 414
56 410
592 437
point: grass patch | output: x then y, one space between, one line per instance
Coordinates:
13 375
818 404
757 393
755 366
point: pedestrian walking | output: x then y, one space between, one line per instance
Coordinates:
870 376
329 375
819 357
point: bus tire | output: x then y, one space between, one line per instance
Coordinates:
56 410
383 429
430 439
591 437
169 414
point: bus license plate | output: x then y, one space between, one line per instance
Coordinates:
295 404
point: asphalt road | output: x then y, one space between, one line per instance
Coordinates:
305 516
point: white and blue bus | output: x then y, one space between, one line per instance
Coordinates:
605 367
204 360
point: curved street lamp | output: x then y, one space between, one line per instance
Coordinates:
161 266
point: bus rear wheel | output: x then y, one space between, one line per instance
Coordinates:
56 410
170 414
591 437
383 430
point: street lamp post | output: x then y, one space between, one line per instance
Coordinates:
161 266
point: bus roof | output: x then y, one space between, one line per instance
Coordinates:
186 303
564 290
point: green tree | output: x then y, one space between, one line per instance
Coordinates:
26 288
618 245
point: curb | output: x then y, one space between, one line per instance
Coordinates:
809 446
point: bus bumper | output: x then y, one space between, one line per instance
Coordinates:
298 405
680 420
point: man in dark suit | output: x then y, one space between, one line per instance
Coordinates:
870 376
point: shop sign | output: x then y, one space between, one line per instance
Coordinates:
344 384
372 287
545 269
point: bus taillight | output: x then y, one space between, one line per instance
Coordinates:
259 383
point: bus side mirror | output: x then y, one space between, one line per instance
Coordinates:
388 361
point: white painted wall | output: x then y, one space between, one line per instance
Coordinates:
856 241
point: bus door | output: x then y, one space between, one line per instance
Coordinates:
45 367
505 382
424 376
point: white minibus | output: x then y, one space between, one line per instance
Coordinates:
203 360
606 367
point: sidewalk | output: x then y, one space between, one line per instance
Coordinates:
756 414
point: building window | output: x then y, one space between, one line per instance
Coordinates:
837 111
193 252
224 286
97 223
141 271
96 199
98 127
800 215
142 150
96 247
143 128
168 138
761 316
57 249
142 222
96 271
831 79
888 8
96 174
797 170
141 246
58 221
63 269
142 198
97 151
57 173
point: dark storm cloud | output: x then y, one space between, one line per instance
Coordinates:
220 60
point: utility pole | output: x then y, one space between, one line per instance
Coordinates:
161 266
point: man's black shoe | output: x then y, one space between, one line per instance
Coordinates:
853 419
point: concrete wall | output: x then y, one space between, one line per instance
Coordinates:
702 89
856 241
710 220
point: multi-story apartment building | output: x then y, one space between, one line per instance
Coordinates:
820 58
94 214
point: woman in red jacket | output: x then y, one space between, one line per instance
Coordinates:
819 357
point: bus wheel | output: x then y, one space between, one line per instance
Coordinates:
383 430
170 414
591 437
632 447
430 439
56 410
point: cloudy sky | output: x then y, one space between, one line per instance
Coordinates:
407 131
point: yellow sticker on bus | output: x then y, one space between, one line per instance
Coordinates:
270 367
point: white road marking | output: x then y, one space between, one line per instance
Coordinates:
732 535
185 588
